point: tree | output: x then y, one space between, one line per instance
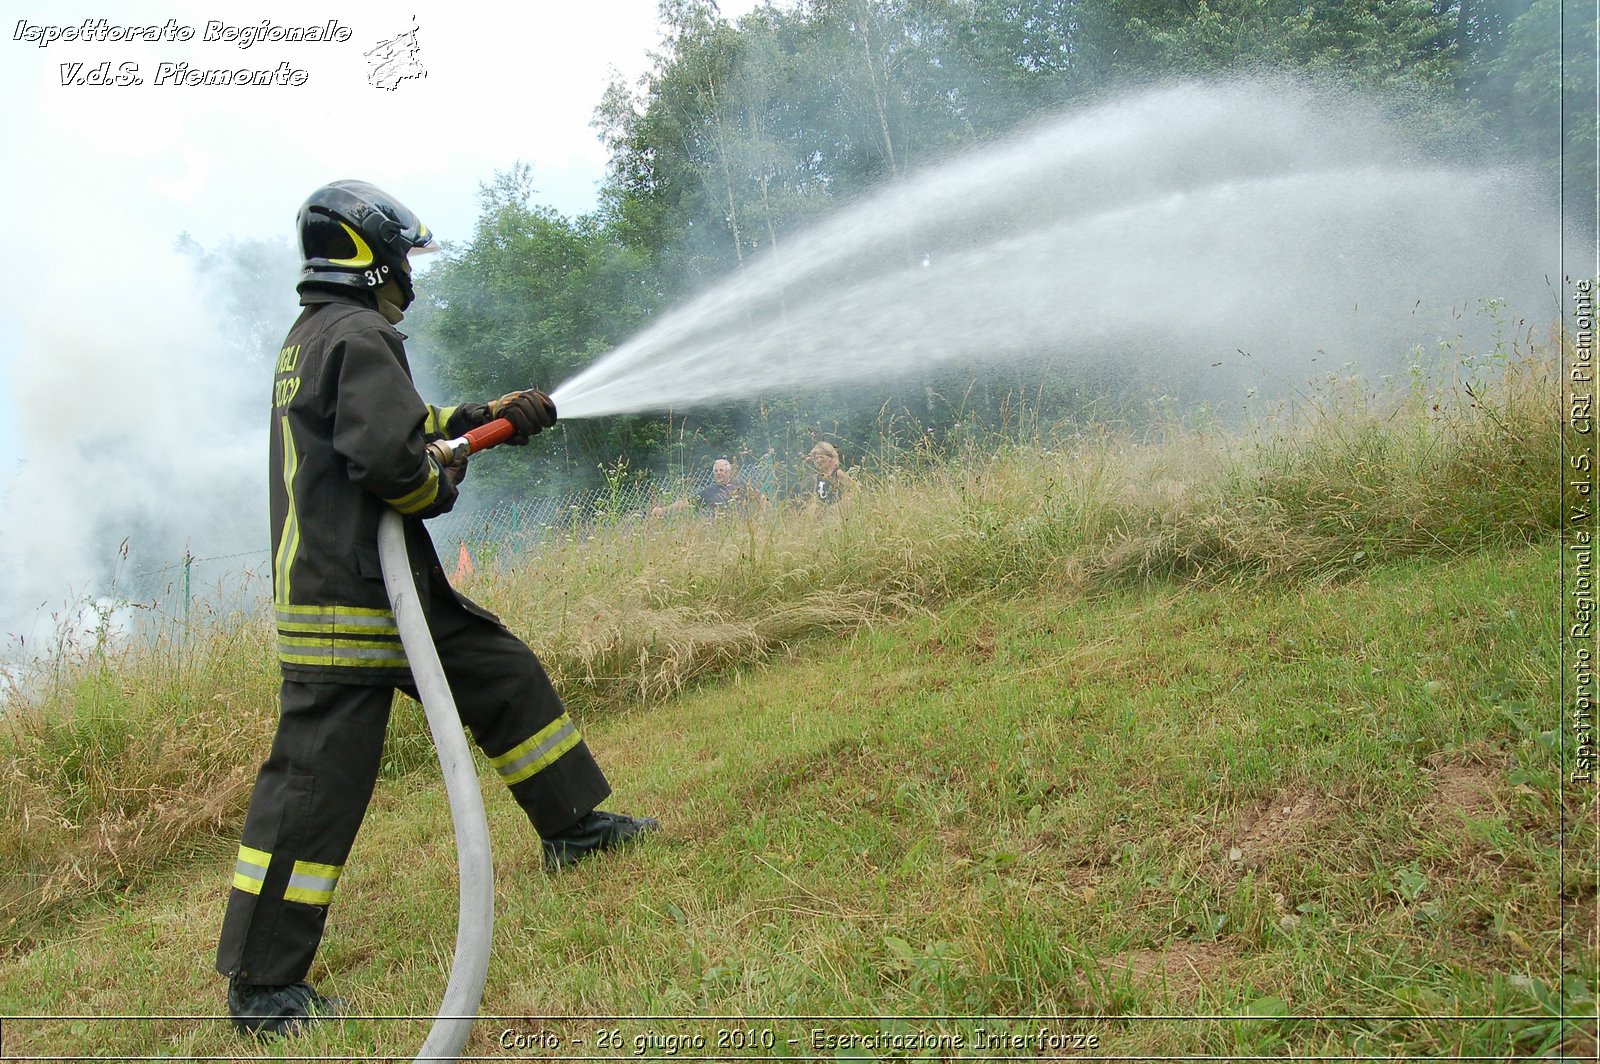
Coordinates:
1016 58
673 152
1541 85
532 299
1374 43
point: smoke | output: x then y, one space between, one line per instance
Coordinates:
143 417
1171 228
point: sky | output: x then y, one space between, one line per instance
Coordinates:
116 402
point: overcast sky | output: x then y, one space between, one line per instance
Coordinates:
101 336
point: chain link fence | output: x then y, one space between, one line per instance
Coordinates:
512 527
488 534
222 581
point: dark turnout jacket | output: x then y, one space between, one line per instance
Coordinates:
349 437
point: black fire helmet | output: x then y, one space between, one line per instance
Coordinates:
355 234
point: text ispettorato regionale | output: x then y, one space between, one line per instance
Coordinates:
99 31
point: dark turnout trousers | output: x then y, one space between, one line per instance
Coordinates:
312 792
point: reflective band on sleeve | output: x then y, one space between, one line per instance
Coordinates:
312 884
438 418
250 869
422 497
539 752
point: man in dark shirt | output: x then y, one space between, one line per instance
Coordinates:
723 490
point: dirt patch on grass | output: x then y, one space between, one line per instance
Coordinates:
1180 972
838 758
1279 825
979 645
1465 789
1582 909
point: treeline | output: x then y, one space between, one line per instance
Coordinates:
743 134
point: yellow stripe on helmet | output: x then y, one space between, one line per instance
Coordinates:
363 255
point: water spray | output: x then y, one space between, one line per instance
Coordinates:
1165 229
475 920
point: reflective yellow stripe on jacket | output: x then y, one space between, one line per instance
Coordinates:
358 636
422 497
289 538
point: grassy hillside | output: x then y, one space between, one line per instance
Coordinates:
1261 729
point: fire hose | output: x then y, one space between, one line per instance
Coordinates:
475 921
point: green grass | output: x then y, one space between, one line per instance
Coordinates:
1311 803
1257 734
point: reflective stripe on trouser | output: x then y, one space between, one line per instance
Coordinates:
514 714
309 800
312 792
309 883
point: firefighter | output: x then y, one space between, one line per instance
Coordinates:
349 436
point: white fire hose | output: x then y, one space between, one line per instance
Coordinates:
475 922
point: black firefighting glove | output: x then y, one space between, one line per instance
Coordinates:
444 501
530 413
456 471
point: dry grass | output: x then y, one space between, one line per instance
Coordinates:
1320 493
120 763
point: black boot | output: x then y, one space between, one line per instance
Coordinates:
279 1010
595 832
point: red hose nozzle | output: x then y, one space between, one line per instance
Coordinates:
491 434
485 436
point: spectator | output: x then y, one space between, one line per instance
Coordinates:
724 490
832 485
